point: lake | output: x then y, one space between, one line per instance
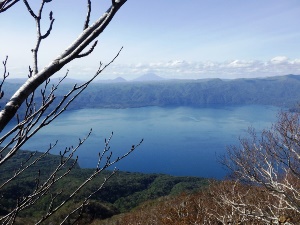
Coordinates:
178 141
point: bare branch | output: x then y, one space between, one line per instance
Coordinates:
86 37
6 4
42 190
87 19
32 124
23 167
49 30
113 2
270 162
29 9
89 51
38 115
39 36
50 15
98 170
30 72
85 201
5 75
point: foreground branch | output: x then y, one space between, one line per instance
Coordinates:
72 52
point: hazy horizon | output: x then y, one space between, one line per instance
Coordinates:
177 39
112 78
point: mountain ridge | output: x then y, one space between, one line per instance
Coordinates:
282 91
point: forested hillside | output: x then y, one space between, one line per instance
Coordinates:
121 193
279 91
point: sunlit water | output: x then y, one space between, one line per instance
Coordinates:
177 141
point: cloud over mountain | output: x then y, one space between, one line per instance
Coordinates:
181 69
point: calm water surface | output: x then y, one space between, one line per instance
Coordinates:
177 141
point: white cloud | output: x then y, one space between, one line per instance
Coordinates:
240 64
295 61
176 63
279 60
181 69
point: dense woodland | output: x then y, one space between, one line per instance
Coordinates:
123 192
280 91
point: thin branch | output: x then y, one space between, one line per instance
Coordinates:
89 51
25 167
29 9
6 4
85 201
87 19
29 127
71 53
97 171
5 75
49 30
42 190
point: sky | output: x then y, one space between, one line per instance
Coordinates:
191 39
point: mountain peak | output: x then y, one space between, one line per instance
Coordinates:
115 80
149 77
119 79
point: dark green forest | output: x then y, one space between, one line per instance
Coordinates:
123 192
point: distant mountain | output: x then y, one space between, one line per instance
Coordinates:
282 91
148 77
116 80
119 79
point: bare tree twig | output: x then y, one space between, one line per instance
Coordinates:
271 163
42 190
6 4
72 52
98 170
40 114
87 19
24 167
49 30
29 9
5 75
89 51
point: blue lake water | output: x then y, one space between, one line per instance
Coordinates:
177 141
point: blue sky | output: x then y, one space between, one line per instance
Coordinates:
172 38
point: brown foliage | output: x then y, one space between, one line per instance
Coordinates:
225 202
